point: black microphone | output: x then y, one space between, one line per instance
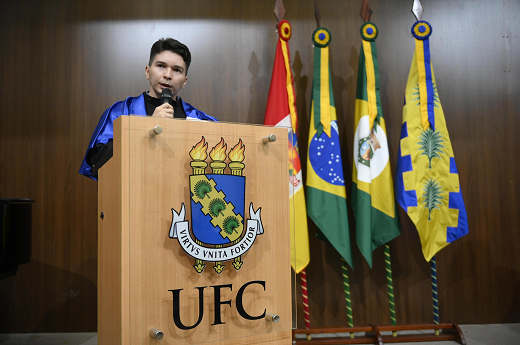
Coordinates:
166 96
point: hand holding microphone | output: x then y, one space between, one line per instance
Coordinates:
165 109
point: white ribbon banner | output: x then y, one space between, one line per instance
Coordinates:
180 230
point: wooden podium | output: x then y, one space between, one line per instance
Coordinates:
148 283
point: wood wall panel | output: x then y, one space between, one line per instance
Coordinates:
64 63
21 140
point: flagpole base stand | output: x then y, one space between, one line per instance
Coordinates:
373 334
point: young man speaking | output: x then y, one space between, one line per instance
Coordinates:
167 69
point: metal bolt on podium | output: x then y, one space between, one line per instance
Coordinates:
269 138
157 130
272 317
156 334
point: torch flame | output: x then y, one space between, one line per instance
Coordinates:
237 152
198 152
218 153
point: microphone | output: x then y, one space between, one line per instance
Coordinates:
166 96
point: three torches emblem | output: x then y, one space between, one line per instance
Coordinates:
217 209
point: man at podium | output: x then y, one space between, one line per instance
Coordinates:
167 72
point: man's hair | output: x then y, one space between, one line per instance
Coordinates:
171 45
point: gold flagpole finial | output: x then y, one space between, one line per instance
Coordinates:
366 11
417 9
279 10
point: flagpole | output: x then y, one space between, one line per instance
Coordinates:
306 314
390 286
435 296
346 287
417 10
327 205
344 268
370 84
284 31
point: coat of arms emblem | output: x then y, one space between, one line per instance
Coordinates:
217 209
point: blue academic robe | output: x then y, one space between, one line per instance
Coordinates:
104 131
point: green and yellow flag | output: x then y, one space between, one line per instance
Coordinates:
373 199
326 195
427 177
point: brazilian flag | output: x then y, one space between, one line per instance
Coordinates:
326 195
373 199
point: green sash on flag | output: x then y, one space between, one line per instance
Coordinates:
373 199
326 195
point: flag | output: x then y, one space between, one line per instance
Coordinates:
281 111
427 177
373 198
326 195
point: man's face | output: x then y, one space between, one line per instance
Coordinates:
168 71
